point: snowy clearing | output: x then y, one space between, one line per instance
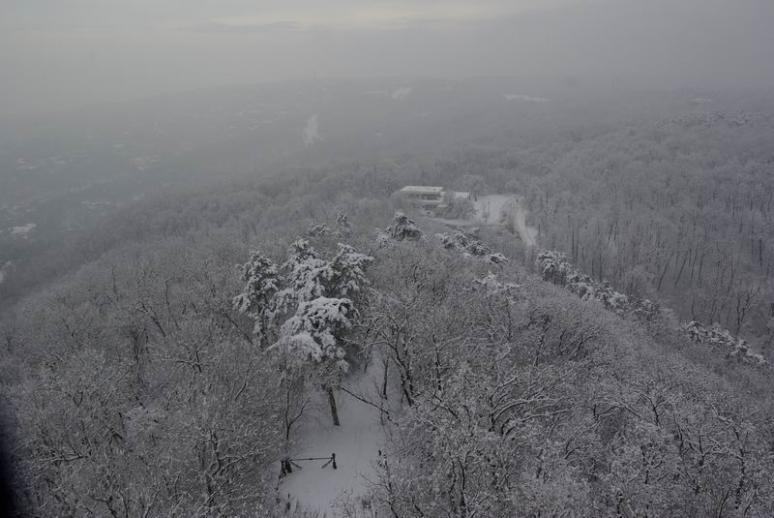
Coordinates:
356 444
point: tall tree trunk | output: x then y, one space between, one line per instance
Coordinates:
682 267
663 273
332 403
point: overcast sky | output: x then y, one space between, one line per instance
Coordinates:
61 53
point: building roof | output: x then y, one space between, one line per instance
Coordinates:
422 189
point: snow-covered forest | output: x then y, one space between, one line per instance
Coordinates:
387 259
217 339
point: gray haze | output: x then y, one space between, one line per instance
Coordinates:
58 54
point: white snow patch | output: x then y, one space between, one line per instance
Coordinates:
356 444
23 230
500 209
526 98
402 93
311 131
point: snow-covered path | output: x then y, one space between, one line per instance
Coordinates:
497 209
356 444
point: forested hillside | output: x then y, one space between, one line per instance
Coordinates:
157 378
679 210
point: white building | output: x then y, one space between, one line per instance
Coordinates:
431 198
422 195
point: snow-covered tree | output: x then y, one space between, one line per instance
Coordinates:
493 286
715 336
383 239
262 282
497 258
318 231
343 225
315 334
403 228
348 272
470 246
314 331
309 276
306 275
555 268
316 297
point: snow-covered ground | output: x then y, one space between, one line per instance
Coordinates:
501 209
356 444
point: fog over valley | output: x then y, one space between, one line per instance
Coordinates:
59 54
